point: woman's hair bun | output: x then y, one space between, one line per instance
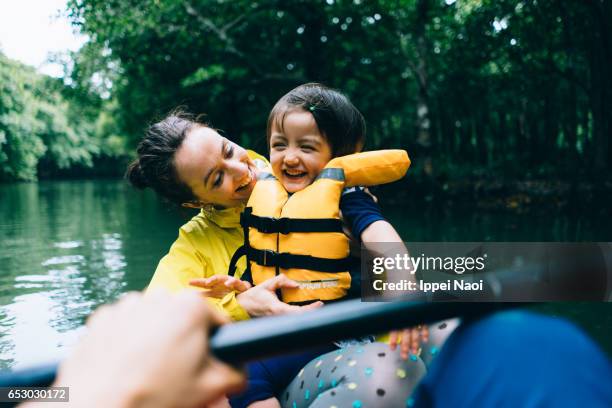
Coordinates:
135 175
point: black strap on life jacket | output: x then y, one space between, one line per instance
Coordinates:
285 260
270 225
242 251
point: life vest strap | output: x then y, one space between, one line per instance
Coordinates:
332 174
246 275
270 225
285 260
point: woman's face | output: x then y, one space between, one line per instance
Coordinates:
218 171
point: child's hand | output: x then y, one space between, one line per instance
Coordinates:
410 340
217 286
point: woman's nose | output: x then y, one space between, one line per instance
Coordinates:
237 168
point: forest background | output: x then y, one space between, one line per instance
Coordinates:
506 101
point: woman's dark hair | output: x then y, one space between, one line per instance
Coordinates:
337 118
155 167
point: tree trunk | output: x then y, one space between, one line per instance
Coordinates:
570 123
423 122
315 66
600 92
597 91
523 138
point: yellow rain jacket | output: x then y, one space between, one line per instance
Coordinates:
204 248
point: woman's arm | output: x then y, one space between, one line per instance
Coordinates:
184 263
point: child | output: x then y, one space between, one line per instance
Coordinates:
307 128
293 214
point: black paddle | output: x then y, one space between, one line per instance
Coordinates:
257 338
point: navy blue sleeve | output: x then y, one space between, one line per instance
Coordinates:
359 210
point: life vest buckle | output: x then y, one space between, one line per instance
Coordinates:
283 225
271 225
269 256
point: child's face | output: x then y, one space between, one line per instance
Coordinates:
300 152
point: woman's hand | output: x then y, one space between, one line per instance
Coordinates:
261 300
148 351
410 340
217 286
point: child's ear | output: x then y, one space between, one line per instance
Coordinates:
359 147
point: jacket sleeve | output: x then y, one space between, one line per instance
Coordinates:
183 263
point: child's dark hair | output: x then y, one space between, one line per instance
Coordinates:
155 167
337 118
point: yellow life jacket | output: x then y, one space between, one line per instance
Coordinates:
301 235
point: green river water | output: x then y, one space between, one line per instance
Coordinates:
67 247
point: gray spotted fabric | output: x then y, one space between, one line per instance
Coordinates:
370 375
364 375
438 333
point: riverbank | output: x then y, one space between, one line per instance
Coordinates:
514 196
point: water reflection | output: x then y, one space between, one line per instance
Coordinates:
66 259
38 325
68 245
65 248
29 335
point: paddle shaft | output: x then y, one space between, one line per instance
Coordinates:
258 338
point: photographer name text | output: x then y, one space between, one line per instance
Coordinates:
427 287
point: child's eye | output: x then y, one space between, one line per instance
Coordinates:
307 148
278 146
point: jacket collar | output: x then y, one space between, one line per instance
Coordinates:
225 218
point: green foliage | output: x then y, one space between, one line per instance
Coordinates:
21 143
203 74
43 130
485 86
470 87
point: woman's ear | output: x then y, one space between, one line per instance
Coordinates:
193 204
